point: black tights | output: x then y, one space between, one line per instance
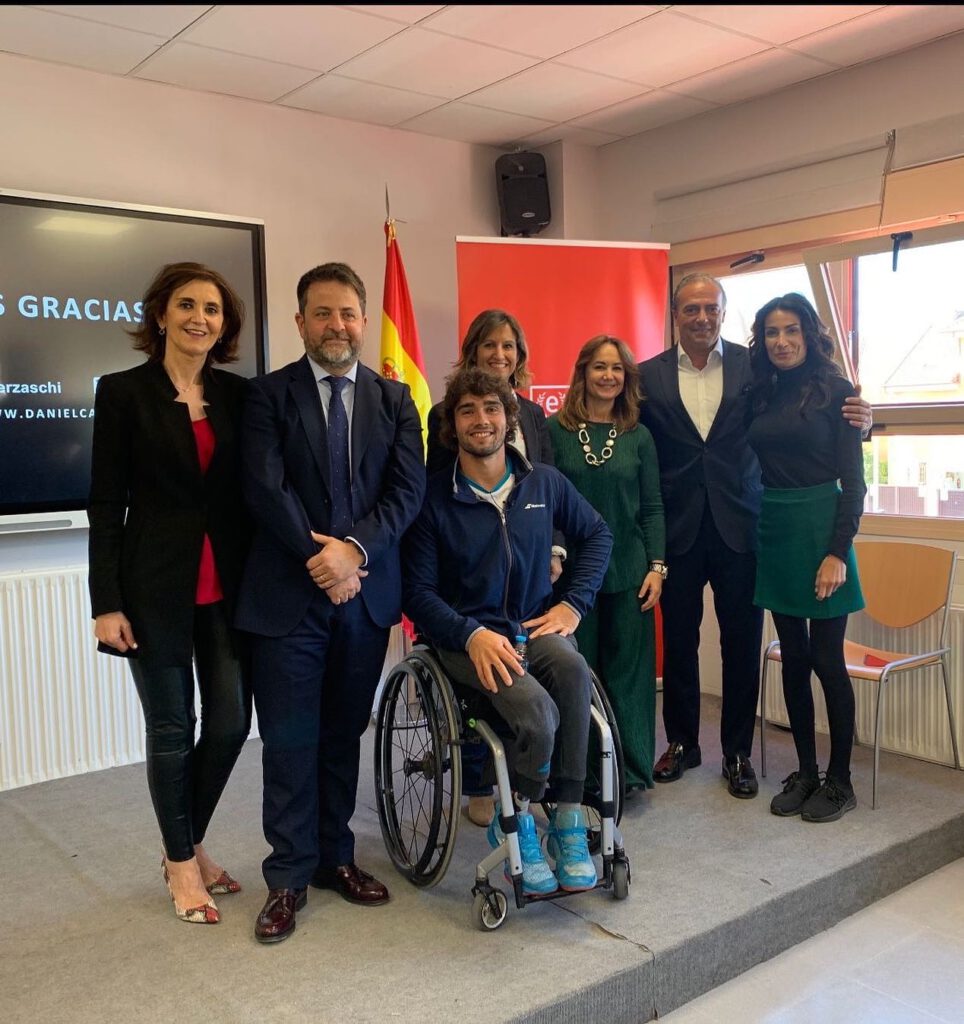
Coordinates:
819 651
185 778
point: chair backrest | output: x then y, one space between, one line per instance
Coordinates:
904 583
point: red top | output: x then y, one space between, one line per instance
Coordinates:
208 585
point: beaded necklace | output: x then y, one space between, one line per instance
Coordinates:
607 450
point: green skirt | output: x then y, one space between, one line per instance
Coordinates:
796 527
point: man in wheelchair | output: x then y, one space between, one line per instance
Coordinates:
476 575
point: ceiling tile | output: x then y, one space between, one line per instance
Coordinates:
467 123
644 112
49 36
526 28
198 67
555 93
408 13
776 23
434 64
888 30
360 101
569 133
160 19
662 49
752 76
319 37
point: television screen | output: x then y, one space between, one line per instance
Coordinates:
72 274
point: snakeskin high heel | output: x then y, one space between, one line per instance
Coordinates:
206 913
224 885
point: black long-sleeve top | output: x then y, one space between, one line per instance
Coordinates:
803 448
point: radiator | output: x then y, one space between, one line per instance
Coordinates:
915 711
64 708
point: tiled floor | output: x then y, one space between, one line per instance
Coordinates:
901 961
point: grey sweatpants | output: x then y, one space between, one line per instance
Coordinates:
548 712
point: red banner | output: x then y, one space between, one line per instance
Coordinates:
564 293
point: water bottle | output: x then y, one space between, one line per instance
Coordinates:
521 648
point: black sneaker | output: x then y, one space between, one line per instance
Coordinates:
830 802
797 789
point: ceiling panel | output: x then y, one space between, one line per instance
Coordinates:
528 28
467 123
886 30
494 74
753 76
161 19
83 44
662 49
197 67
434 64
360 101
407 13
776 23
555 93
308 36
644 112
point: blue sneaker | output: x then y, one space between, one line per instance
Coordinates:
567 846
537 876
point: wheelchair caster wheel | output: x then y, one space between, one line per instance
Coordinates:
620 879
489 909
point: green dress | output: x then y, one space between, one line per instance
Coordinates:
617 640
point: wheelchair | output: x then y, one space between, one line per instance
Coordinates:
422 724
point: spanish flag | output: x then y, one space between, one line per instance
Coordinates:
401 355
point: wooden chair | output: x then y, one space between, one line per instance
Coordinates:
903 585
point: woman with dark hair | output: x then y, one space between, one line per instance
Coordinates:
813 497
610 457
496 343
168 536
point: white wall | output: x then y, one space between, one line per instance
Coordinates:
827 117
317 183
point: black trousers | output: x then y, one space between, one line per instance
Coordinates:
819 649
186 778
732 575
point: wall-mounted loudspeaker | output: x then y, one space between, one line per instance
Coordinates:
523 193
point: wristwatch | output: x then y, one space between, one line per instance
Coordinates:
659 567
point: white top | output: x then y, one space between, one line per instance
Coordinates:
701 390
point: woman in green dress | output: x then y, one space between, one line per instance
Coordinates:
599 444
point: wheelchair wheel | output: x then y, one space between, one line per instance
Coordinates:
593 789
489 909
418 768
620 879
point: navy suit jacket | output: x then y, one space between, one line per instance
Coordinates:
721 470
286 477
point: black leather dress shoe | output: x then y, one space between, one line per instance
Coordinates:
352 884
675 761
740 777
277 918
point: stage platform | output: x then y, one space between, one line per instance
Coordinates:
718 885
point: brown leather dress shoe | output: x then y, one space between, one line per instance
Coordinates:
352 884
277 918
675 761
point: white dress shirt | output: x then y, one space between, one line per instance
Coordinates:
701 390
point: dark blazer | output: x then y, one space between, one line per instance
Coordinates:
287 475
150 505
532 422
722 468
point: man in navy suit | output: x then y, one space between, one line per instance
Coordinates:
333 476
695 400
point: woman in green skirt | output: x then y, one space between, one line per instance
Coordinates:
599 444
806 571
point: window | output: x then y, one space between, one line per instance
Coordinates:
903 340
747 292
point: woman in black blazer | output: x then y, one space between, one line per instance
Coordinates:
168 535
495 342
